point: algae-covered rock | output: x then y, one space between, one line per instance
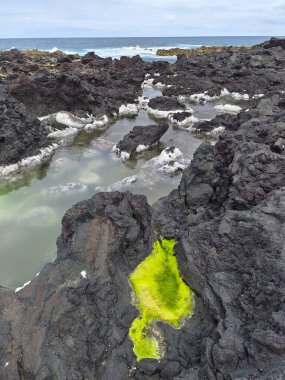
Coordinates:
198 51
161 295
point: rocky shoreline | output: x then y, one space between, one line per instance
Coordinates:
73 320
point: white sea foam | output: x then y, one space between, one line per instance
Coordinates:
117 52
161 114
124 156
234 95
168 155
84 274
161 85
143 102
141 148
174 167
29 161
54 50
228 108
205 97
258 96
123 184
128 110
216 131
22 287
66 118
187 122
197 98
97 124
60 133
148 82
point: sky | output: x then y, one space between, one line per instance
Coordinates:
140 18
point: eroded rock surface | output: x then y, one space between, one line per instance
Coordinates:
36 84
247 71
72 321
21 134
140 139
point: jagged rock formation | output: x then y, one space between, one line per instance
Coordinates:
140 139
21 134
73 320
35 84
165 104
251 71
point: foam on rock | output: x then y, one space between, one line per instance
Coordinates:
139 139
228 108
128 110
29 162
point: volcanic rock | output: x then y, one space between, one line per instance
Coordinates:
139 139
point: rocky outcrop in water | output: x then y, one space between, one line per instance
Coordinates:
163 103
82 87
44 83
139 139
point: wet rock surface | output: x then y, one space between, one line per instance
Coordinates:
165 104
47 83
140 138
44 83
72 321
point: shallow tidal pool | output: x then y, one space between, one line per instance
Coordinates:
33 203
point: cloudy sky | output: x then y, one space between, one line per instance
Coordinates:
100 18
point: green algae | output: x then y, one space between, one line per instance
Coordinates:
161 295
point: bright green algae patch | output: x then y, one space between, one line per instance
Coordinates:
161 295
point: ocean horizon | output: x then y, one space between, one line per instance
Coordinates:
116 47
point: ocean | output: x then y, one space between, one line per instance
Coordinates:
125 46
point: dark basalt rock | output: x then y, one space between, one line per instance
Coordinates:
253 71
46 94
21 134
181 116
163 103
72 321
141 135
228 215
224 120
68 325
47 83
274 42
235 263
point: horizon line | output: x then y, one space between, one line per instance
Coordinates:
116 37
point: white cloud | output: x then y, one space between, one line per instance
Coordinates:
141 18
170 17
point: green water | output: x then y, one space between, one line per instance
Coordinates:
32 204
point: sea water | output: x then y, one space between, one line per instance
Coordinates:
146 47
